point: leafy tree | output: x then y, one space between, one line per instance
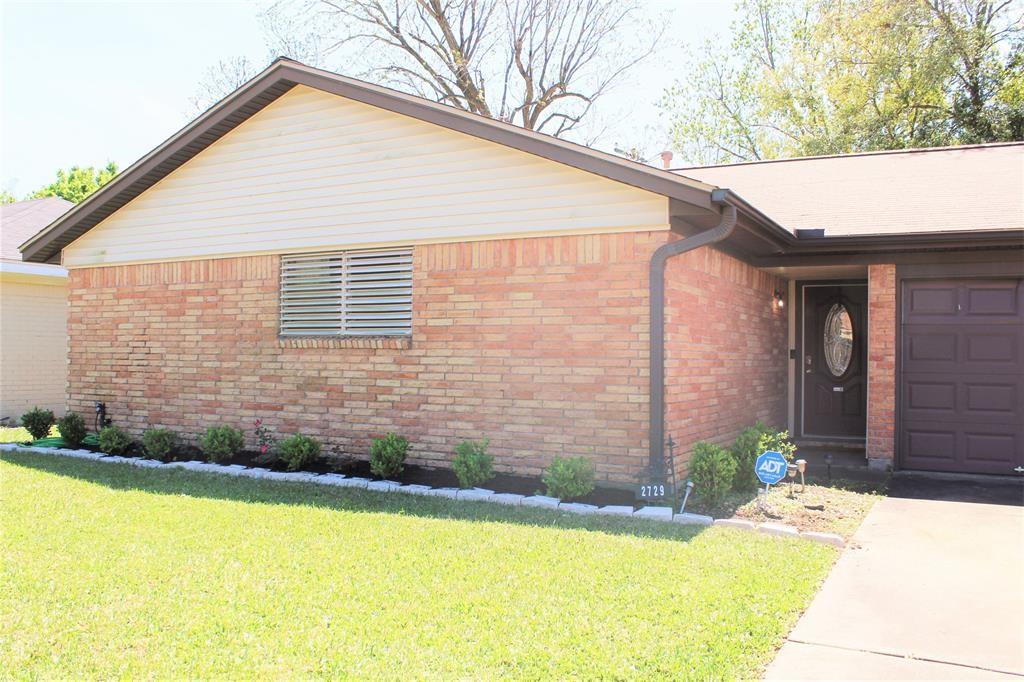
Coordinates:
76 183
6 197
805 77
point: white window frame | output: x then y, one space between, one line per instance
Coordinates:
351 293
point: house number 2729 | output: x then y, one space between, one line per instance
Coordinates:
655 490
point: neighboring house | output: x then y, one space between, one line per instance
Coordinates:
33 314
344 260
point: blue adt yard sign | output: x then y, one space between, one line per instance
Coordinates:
770 467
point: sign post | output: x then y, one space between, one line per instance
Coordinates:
770 468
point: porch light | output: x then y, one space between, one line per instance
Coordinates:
780 302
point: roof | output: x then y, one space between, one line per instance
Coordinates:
946 189
21 220
281 76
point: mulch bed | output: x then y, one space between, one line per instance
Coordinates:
413 474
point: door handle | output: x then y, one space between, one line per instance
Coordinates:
808 362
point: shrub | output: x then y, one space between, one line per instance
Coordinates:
387 455
472 463
777 441
298 451
569 478
114 441
37 422
745 451
72 429
159 443
712 470
221 442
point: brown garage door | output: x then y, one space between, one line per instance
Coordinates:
962 364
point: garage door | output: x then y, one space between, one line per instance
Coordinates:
962 365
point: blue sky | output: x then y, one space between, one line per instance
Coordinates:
87 82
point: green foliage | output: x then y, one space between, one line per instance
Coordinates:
712 469
569 478
298 451
38 422
777 441
473 465
72 429
745 451
221 442
77 183
6 197
806 77
159 443
114 440
387 455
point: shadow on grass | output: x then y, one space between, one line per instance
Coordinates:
178 481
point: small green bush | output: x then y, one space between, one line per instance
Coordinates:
712 470
114 441
37 422
221 442
72 429
569 478
298 451
777 441
159 443
472 464
745 451
387 455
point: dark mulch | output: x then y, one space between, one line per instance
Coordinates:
349 466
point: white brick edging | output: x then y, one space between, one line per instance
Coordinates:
663 514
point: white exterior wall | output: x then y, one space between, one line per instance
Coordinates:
33 345
314 170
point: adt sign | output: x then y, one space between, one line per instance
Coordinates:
770 467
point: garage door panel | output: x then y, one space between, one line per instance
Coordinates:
966 398
971 347
962 375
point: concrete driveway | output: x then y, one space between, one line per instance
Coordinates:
930 589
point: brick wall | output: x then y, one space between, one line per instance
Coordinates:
726 349
881 363
538 344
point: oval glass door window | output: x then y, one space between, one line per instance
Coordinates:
838 339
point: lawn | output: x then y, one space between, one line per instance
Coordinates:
113 571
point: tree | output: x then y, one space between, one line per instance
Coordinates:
541 64
76 183
6 197
805 77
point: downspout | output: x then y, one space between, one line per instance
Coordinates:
656 429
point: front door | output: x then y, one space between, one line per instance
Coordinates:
834 361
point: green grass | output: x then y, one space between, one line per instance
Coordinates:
19 434
113 571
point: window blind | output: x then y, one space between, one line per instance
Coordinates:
347 293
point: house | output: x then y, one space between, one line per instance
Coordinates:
341 259
33 314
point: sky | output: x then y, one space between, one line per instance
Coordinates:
84 83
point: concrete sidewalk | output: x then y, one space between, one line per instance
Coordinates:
928 590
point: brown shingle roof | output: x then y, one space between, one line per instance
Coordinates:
23 219
947 189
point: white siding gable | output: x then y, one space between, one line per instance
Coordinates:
315 171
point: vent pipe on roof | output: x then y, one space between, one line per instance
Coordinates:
656 427
666 159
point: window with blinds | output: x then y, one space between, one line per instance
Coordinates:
347 293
